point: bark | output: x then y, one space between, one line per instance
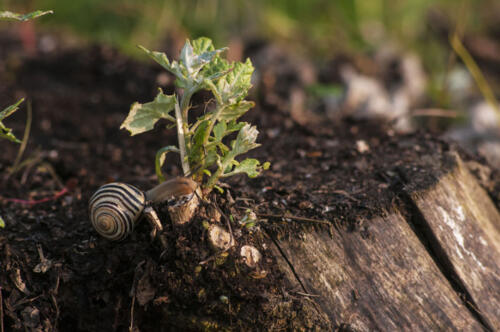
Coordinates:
431 264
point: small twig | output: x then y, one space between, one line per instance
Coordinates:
305 294
24 142
34 202
56 306
131 327
53 173
437 112
228 221
476 73
286 216
346 194
1 310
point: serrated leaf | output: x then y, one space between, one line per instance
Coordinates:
203 44
162 60
143 117
234 111
249 166
216 68
234 86
224 128
4 131
233 126
191 61
194 60
6 15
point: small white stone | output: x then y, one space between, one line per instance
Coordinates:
251 255
220 238
362 146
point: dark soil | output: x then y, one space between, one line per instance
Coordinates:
56 273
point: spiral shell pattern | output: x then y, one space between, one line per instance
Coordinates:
115 209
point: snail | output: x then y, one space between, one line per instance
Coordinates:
116 208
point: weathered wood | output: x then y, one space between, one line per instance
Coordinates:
463 227
384 281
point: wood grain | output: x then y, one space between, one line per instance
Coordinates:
382 279
463 225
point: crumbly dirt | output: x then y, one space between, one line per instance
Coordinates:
56 273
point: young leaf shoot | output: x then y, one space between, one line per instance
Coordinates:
207 152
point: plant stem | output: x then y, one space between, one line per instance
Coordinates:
216 114
24 142
182 140
182 113
186 98
476 73
163 151
212 181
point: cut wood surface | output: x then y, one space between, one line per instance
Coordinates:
386 281
432 266
463 225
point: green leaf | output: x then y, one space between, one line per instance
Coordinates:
221 191
2 223
4 131
191 61
234 86
11 109
224 128
203 44
6 15
159 57
142 117
234 111
174 67
220 130
194 59
249 166
202 155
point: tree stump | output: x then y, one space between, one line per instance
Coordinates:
430 265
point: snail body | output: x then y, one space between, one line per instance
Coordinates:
116 208
174 192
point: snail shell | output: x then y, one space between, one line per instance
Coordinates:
115 208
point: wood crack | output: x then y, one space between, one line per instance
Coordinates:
423 231
290 265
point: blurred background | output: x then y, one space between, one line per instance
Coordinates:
434 63
316 29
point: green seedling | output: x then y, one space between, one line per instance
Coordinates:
209 145
6 15
5 132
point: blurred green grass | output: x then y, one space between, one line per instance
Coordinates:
317 29
318 26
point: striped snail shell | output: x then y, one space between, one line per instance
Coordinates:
115 208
